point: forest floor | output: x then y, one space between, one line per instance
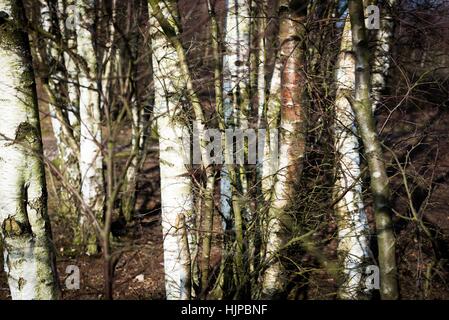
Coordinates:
139 271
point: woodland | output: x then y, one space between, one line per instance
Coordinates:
224 149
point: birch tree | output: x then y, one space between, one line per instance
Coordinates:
270 121
291 143
25 227
236 76
91 157
176 188
257 95
362 107
167 18
381 58
349 207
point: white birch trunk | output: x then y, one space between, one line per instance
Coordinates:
91 158
176 190
57 129
28 255
73 88
270 157
270 116
235 83
291 147
269 161
72 155
272 278
363 111
261 57
381 64
351 217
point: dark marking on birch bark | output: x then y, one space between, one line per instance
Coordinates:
13 228
26 133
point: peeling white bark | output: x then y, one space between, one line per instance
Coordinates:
270 165
176 192
91 157
72 72
262 52
381 64
352 222
270 161
272 277
28 257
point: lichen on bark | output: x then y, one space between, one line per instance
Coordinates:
29 256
